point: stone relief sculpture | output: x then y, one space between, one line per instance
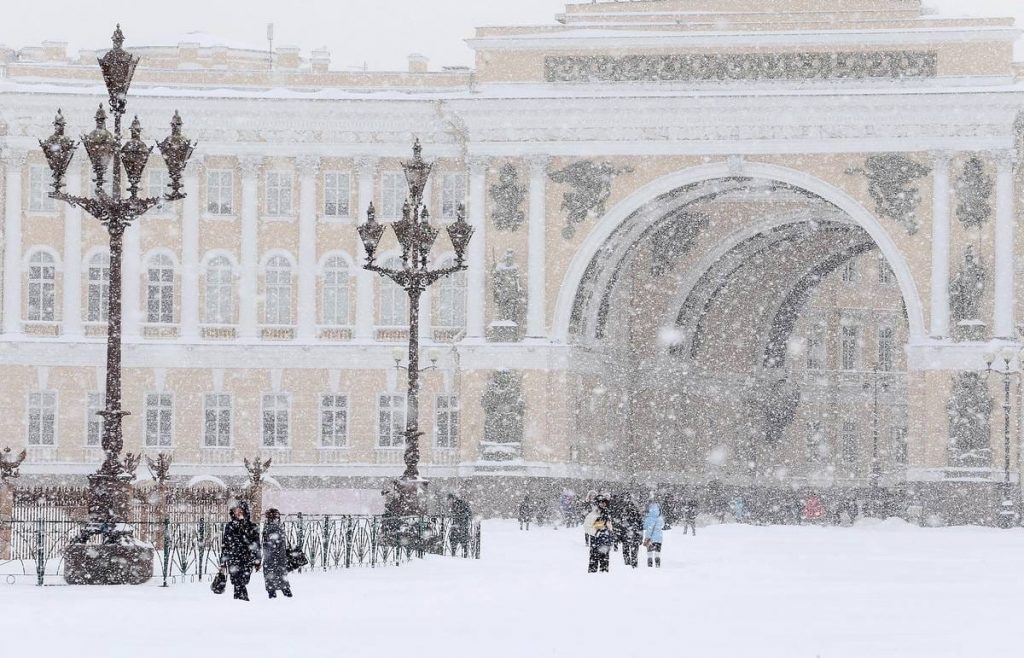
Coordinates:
504 410
509 299
966 291
591 184
508 196
891 178
896 64
974 191
969 409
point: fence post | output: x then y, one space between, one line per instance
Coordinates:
167 549
479 536
348 541
6 519
326 541
419 538
201 555
40 552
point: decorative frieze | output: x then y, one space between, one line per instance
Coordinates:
891 184
974 193
897 64
591 184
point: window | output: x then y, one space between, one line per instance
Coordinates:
42 418
217 420
391 421
886 276
817 447
451 299
160 290
219 291
816 353
219 191
453 193
899 445
276 412
848 438
850 273
446 421
39 190
159 419
335 291
333 421
42 287
886 345
336 194
94 403
278 290
99 287
158 185
279 193
393 194
849 347
393 299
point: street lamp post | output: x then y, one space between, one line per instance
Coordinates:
1007 513
876 461
416 237
108 154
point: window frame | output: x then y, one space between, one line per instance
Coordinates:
328 405
452 183
218 407
99 262
43 286
278 190
396 306
158 413
93 419
451 409
220 207
452 298
277 400
334 194
333 292
849 331
397 407
218 287
163 308
36 402
272 291
394 190
39 186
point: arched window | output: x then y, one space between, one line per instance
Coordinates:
277 284
451 299
160 290
219 291
394 303
335 292
99 287
42 287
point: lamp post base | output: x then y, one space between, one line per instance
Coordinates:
1007 509
410 497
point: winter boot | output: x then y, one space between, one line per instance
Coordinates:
241 593
650 562
657 561
287 591
271 594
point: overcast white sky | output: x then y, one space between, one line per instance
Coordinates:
379 33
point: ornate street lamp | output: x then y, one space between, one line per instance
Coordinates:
416 237
1007 513
108 155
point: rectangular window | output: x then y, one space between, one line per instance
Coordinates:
886 277
848 439
333 421
217 420
159 419
42 418
99 288
39 190
219 191
453 193
336 194
886 347
850 273
279 193
446 421
391 421
157 187
394 190
95 402
849 347
817 448
816 348
276 420
899 445
160 294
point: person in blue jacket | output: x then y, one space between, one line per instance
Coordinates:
654 525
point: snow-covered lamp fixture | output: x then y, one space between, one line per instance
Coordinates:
58 149
118 70
99 145
134 155
176 151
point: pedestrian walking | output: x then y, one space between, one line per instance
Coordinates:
462 520
525 512
240 549
629 528
599 528
654 526
690 516
275 555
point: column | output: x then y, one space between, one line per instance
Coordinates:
1003 311
131 275
536 328
308 167
249 261
476 282
72 313
940 245
13 163
190 252
364 280
427 313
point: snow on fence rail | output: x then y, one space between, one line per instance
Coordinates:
189 551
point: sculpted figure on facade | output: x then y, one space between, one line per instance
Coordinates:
891 179
974 191
967 289
508 196
507 287
969 409
591 185
504 410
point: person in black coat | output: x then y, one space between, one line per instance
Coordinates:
462 520
629 527
525 512
240 549
275 555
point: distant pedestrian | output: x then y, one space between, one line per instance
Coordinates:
629 528
462 521
739 510
567 506
814 510
654 525
240 549
599 528
275 555
690 516
525 512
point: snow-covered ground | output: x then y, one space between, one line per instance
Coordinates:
735 590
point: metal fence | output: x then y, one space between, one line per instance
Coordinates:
190 551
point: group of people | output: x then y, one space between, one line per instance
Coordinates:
616 521
244 550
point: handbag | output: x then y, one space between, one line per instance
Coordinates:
219 584
296 559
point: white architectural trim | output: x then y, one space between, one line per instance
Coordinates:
248 288
72 314
14 160
1003 307
308 167
940 245
189 314
476 283
365 317
536 305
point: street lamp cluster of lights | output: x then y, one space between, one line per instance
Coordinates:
1007 506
